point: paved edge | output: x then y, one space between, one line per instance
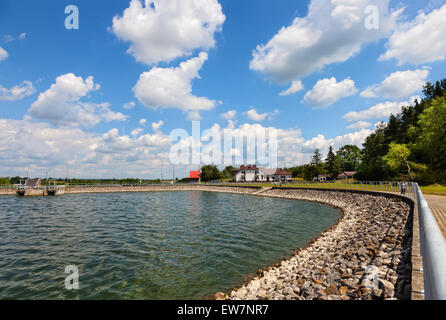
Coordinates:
417 259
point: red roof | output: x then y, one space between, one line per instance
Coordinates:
194 175
347 174
247 168
280 172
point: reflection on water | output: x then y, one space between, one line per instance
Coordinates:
166 245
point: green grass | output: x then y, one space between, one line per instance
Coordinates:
434 190
336 185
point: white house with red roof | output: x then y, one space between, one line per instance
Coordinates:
252 173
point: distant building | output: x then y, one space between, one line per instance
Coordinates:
322 178
248 174
195 176
281 175
347 175
326 177
252 173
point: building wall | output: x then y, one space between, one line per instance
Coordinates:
250 176
281 178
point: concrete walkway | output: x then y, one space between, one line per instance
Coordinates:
438 207
261 190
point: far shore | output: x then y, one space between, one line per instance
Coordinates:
147 188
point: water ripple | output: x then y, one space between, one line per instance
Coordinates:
179 245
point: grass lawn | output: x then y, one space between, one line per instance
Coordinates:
336 185
432 189
435 189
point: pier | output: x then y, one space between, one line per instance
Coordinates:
33 187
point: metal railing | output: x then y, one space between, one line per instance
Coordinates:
433 251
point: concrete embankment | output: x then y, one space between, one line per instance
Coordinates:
366 255
148 188
7 191
160 188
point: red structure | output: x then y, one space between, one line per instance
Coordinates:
195 176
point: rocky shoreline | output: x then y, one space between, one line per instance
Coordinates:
365 256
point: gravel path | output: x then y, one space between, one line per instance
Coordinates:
438 207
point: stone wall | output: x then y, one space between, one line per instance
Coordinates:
366 255
159 188
7 191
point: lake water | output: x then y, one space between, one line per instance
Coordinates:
161 245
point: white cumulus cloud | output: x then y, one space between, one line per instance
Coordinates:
156 126
332 32
253 115
296 86
398 85
328 91
36 146
3 54
17 92
163 30
379 111
360 125
129 105
419 41
61 104
230 115
171 87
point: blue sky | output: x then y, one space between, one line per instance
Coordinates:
327 52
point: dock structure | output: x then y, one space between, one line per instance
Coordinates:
33 187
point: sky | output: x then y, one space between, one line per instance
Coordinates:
102 98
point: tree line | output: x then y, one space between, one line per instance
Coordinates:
409 146
346 159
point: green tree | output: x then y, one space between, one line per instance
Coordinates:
228 172
333 164
398 159
5 181
15 180
308 172
210 173
297 172
375 148
316 162
432 134
350 157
